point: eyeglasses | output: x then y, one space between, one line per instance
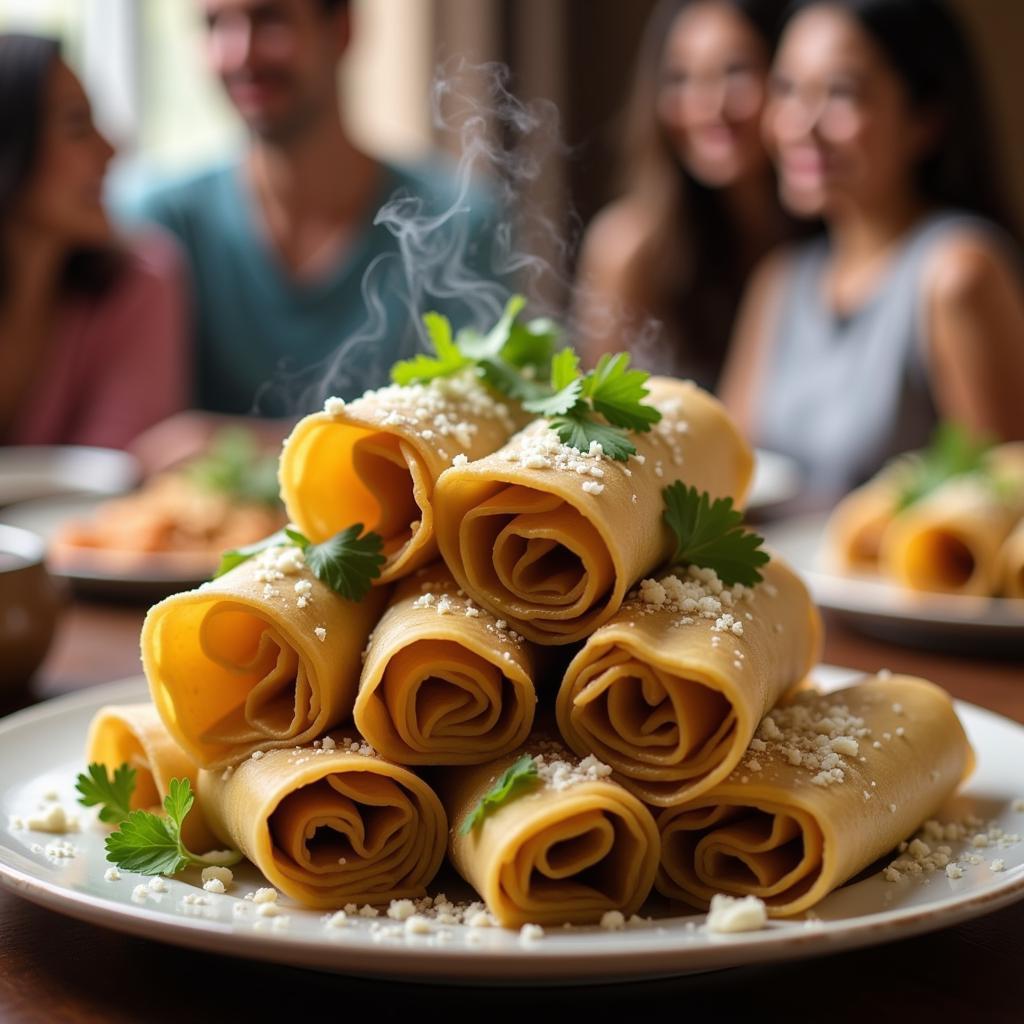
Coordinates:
738 91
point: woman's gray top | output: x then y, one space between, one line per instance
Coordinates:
846 393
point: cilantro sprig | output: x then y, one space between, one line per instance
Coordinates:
529 363
151 845
348 562
953 451
113 795
516 777
235 465
711 534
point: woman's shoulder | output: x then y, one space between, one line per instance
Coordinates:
615 235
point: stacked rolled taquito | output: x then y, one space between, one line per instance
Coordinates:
377 460
830 783
551 538
960 536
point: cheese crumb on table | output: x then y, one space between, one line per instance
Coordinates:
111 875
265 895
531 933
54 820
214 885
729 914
219 874
157 884
613 920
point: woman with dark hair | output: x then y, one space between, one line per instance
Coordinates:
92 346
910 308
662 269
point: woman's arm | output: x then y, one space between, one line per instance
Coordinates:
753 339
975 308
602 308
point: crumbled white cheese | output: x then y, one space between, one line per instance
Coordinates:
339 919
729 914
270 909
54 820
334 406
613 920
219 874
157 884
140 893
111 875
460 460
954 871
417 924
531 933
998 864
400 910
327 743
256 755
320 633
264 895
214 885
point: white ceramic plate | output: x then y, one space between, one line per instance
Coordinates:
940 621
40 751
776 481
141 577
41 471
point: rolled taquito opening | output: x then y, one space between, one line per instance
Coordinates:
538 559
940 559
331 824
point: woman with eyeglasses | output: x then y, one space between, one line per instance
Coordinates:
92 327
662 269
910 307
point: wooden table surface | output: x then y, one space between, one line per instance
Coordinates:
55 969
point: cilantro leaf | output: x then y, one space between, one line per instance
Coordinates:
567 384
475 346
617 393
954 451
232 559
346 562
114 795
447 360
151 845
712 535
532 345
578 429
515 777
510 381
235 465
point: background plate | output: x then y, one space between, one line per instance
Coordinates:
142 577
943 622
38 472
40 750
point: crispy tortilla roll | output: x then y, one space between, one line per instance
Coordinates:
857 525
441 683
376 460
1011 563
830 783
949 541
331 824
265 656
133 734
671 691
551 539
567 847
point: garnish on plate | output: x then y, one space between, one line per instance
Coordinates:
519 774
234 465
151 845
711 534
113 795
348 562
954 451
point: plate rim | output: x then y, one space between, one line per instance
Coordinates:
657 954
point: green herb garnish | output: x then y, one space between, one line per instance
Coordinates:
954 451
151 845
235 465
347 562
515 777
712 535
113 795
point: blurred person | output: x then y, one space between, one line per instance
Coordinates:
910 307
662 268
92 342
279 240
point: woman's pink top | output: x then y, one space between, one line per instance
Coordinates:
118 364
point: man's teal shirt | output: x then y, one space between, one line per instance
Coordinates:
273 344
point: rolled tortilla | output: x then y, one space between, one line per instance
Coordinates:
1011 563
551 539
853 537
876 760
376 460
249 662
330 825
949 541
566 848
133 734
671 691
441 683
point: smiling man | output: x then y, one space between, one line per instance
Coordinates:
281 239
